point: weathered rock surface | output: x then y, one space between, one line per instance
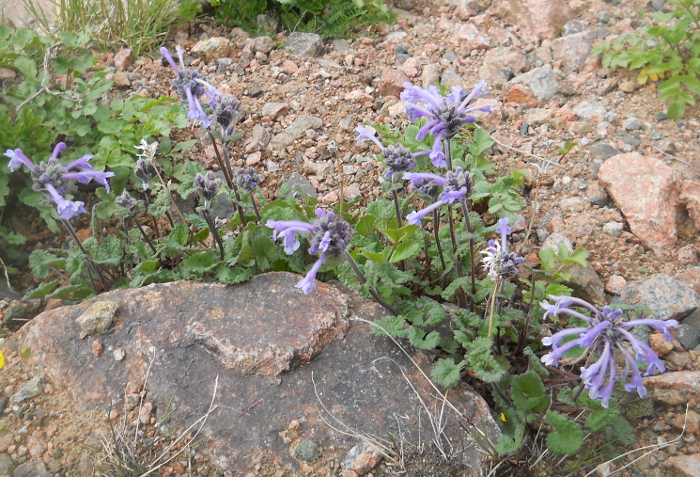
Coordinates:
538 19
295 131
303 44
271 349
666 297
541 82
674 388
646 192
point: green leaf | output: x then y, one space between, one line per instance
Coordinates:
42 290
202 262
578 256
528 391
446 372
568 437
40 261
548 259
365 226
419 339
405 251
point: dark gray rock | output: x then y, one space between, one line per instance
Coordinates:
300 185
306 450
603 150
306 45
630 139
31 469
666 297
689 336
6 465
295 131
271 350
32 389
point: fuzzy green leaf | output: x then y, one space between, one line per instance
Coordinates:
446 372
568 437
202 262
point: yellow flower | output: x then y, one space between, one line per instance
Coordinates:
2 360
503 417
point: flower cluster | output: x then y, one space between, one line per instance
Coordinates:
605 332
55 180
208 186
445 116
189 86
224 110
246 179
497 259
328 234
397 157
455 187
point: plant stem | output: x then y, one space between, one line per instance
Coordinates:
446 145
372 291
436 232
145 236
226 167
470 229
493 303
461 297
147 199
222 165
396 203
255 207
212 228
77 241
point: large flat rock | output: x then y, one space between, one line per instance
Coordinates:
272 349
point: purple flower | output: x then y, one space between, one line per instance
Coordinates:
208 186
246 179
224 111
445 116
605 333
188 86
455 187
497 259
397 157
55 180
328 233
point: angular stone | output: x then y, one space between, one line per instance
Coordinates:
205 328
666 297
298 184
519 94
451 78
264 44
32 389
97 318
690 198
123 58
538 19
683 465
615 284
31 469
430 75
212 48
362 459
541 82
306 45
493 75
674 388
574 49
274 109
295 131
586 110
391 84
471 37
646 191
690 277
603 150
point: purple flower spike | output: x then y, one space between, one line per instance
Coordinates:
328 233
445 116
416 218
397 157
53 180
188 86
605 333
455 187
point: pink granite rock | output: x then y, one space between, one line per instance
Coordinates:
674 388
646 192
538 19
690 197
683 465
391 84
